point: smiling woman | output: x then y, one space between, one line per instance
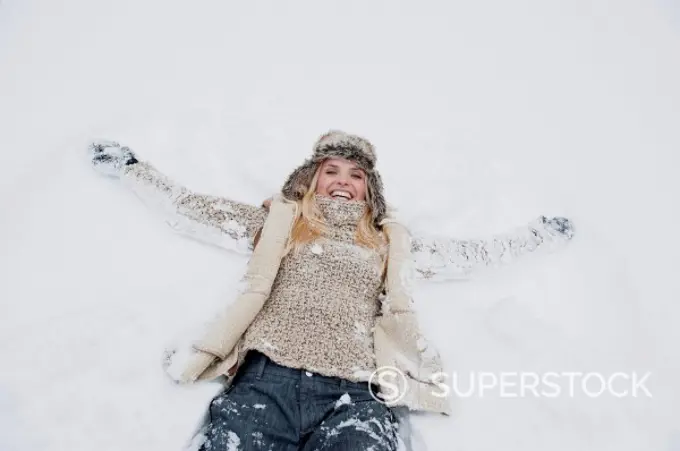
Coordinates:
319 299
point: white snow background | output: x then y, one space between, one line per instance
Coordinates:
484 114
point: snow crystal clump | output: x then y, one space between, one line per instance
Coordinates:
344 400
224 207
268 345
257 439
233 442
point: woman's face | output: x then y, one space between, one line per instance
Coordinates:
341 179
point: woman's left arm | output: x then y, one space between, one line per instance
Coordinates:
441 258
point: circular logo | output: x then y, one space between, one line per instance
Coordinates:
392 385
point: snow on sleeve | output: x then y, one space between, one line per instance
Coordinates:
211 219
441 258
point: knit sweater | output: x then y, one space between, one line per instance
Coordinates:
324 301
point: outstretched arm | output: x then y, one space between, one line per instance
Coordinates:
440 258
211 219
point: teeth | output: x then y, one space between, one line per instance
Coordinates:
343 194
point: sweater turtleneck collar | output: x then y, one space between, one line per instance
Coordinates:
340 213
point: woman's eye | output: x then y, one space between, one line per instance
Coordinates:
357 176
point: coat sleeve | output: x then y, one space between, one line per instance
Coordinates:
441 258
214 220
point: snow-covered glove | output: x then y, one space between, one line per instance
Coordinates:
559 225
109 158
184 366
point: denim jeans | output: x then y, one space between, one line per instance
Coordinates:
276 408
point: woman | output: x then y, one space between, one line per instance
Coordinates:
326 302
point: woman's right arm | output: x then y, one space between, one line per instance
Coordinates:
211 219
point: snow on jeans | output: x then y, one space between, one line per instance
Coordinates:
273 407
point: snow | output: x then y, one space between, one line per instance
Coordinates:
363 426
343 400
484 115
233 442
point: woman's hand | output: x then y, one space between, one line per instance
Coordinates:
109 158
184 366
267 203
561 226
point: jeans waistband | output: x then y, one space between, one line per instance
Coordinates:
256 364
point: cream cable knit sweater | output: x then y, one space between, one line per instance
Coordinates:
323 304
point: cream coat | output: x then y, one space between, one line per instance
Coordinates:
399 345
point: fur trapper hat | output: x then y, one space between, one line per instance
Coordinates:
339 144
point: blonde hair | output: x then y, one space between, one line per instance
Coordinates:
309 224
